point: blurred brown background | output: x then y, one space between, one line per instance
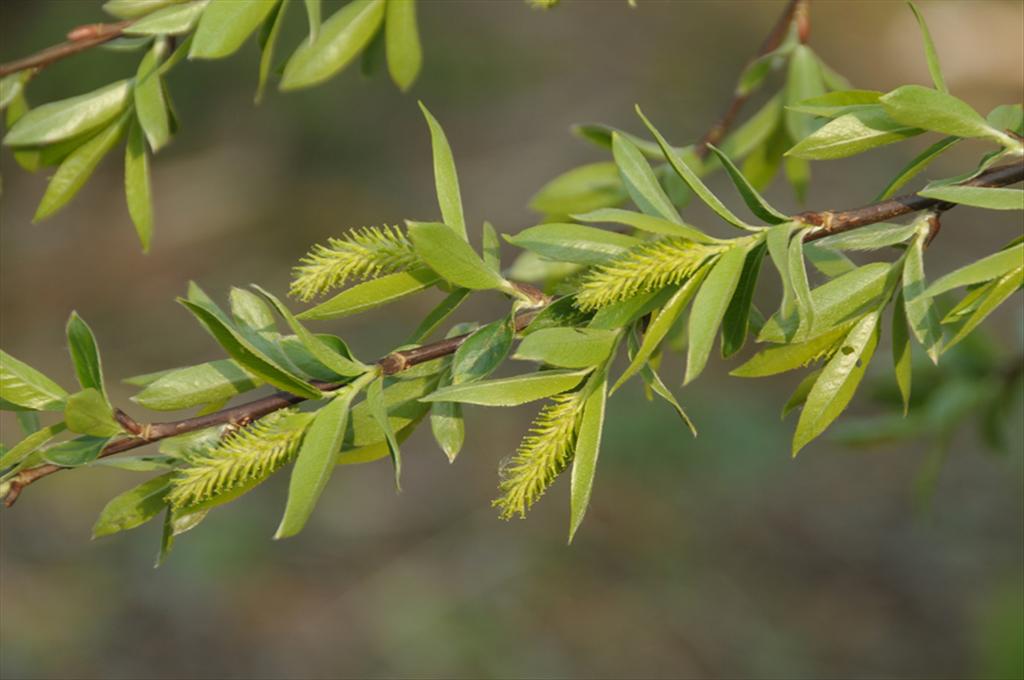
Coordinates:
720 557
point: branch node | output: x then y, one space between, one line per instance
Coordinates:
396 362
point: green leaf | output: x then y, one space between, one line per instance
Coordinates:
1007 117
621 314
76 169
87 412
756 131
588 445
241 349
315 462
640 182
559 314
709 307
799 396
510 391
212 382
803 81
136 186
12 87
798 279
75 452
140 463
131 9
916 166
995 295
567 347
985 269
980 197
588 187
920 310
225 25
84 353
838 381
835 104
313 14
25 386
661 324
757 204
754 74
736 323
829 262
902 358
405 56
654 382
173 20
871 237
402 401
324 353
447 425
372 294
851 134
923 107
777 242
482 352
446 179
268 42
341 38
564 242
29 444
379 411
648 223
134 507
451 257
68 118
491 247
690 177
929 50
836 301
790 356
438 315
150 107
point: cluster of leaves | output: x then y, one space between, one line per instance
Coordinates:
664 284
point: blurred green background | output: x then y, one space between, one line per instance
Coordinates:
720 557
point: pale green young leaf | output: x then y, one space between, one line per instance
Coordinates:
225 25
24 386
997 293
798 279
87 412
837 301
851 134
567 347
709 307
150 107
985 269
916 166
829 262
920 309
438 315
405 56
1007 117
313 11
648 223
803 81
68 118
250 311
211 382
269 35
131 9
587 187
315 462
12 88
902 359
993 198
754 200
661 324
324 353
510 391
372 294
341 38
75 452
76 169
690 177
134 507
84 353
29 444
561 313
402 401
838 382
754 74
756 131
482 352
452 257
640 181
173 20
654 382
621 314
777 242
799 396
447 425
835 104
798 174
923 107
736 322
136 186
564 242
871 237
374 452
491 247
931 54
446 179
791 356
587 448
379 411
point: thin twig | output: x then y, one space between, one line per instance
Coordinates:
79 40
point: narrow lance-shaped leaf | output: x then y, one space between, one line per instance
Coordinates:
379 411
792 355
736 323
648 223
211 382
136 186
510 391
84 353
923 107
993 198
798 279
709 307
173 20
446 423
438 315
150 107
587 187
985 269
87 412
134 507
491 247
225 25
654 382
453 258
852 134
268 42
446 179
916 166
921 314
405 56
931 54
29 444
640 181
313 14
68 118
567 347
757 204
573 242
372 294
902 359
341 38
588 446
803 81
1000 291
482 352
75 452
24 386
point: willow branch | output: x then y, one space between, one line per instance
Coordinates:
79 40
796 12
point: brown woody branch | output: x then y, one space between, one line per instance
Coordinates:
79 40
